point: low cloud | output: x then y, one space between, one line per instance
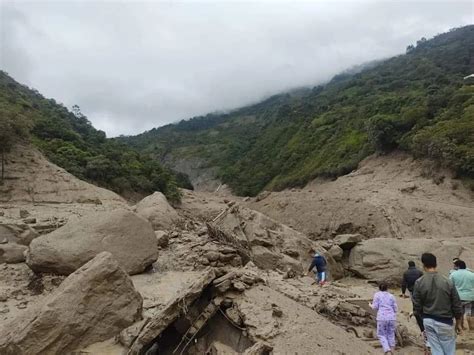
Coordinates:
132 66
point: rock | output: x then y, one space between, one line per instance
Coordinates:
234 315
30 220
9 232
336 252
93 304
158 211
4 241
212 255
227 302
17 233
259 348
128 237
239 286
276 311
128 335
262 195
12 253
387 258
226 249
22 305
27 236
291 252
368 333
269 244
264 258
162 239
223 286
335 270
202 231
24 213
347 241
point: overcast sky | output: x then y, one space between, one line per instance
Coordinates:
135 65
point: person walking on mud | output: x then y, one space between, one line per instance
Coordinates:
437 302
463 280
408 283
386 306
320 264
409 277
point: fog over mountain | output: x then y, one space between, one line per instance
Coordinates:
135 65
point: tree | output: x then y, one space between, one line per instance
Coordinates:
12 127
76 110
382 132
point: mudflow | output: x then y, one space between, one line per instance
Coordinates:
84 272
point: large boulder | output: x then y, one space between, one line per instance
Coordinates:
128 237
386 258
158 211
269 244
93 304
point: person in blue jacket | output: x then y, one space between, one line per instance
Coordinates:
319 262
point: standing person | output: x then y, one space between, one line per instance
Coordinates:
409 277
408 282
454 266
436 300
319 262
463 280
386 306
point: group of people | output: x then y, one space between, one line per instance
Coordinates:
442 306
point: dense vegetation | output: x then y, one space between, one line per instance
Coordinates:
418 102
69 140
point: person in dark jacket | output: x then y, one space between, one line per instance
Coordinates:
408 283
409 278
319 262
437 301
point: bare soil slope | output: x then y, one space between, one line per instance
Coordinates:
388 196
30 178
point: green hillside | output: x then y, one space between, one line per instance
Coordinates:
417 102
69 140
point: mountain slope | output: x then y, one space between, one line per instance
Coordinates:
31 179
416 102
69 140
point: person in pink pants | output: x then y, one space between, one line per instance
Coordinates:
386 306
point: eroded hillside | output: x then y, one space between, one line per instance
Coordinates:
418 102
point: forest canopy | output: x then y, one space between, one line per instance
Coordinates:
69 140
418 102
